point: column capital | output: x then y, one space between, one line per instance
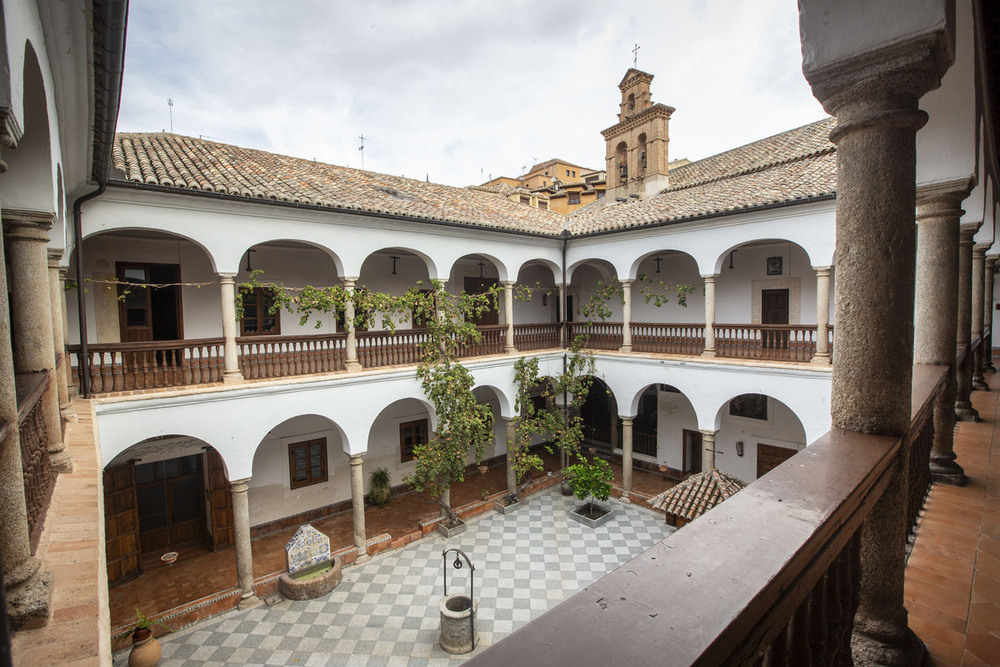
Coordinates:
627 282
227 278
883 85
627 420
357 459
55 256
27 225
991 261
508 283
979 250
240 485
822 270
950 193
349 283
709 277
709 433
967 231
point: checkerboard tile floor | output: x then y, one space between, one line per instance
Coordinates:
385 611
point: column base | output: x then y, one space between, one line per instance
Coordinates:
964 412
363 556
353 367
249 601
61 460
625 348
708 354
29 604
989 367
67 413
510 350
980 383
625 499
232 377
820 359
944 470
884 643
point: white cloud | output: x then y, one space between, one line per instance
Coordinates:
448 88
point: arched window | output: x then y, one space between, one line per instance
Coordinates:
621 154
642 152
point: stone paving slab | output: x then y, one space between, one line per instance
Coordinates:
385 612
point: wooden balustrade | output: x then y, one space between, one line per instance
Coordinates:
529 337
148 365
644 443
39 476
598 335
668 338
286 356
772 342
492 341
384 348
785 588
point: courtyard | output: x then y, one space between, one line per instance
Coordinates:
385 611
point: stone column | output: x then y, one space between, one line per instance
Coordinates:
508 313
626 316
964 411
56 299
27 590
351 362
874 97
231 373
244 552
822 355
511 445
935 310
709 315
978 298
626 458
358 506
68 368
26 234
991 269
707 450
563 314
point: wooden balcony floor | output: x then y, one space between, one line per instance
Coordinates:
953 575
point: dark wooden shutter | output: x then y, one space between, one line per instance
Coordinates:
121 524
221 500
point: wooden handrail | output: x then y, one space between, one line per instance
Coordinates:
784 535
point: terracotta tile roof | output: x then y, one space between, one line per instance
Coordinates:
697 494
793 165
185 163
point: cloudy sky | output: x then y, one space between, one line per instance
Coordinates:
459 90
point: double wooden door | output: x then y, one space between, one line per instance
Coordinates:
170 496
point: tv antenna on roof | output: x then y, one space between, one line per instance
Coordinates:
362 149
170 109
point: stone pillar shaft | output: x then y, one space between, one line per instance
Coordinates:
508 313
358 506
21 578
935 309
56 300
511 448
708 450
231 353
563 314
963 402
822 355
627 316
26 235
978 298
351 361
991 268
626 459
244 552
709 316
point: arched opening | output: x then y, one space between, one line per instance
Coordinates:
477 274
393 271
300 466
592 285
601 424
536 310
621 162
642 153
398 429
294 264
29 178
755 434
672 320
163 494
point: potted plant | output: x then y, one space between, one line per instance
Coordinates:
591 479
379 485
146 649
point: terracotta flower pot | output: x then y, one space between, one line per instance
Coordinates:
146 650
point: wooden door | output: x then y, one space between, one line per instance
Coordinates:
170 497
482 286
692 451
121 524
220 496
770 457
774 310
135 312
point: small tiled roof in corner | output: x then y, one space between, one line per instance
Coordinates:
794 165
185 163
697 494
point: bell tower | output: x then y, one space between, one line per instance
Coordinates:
636 147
